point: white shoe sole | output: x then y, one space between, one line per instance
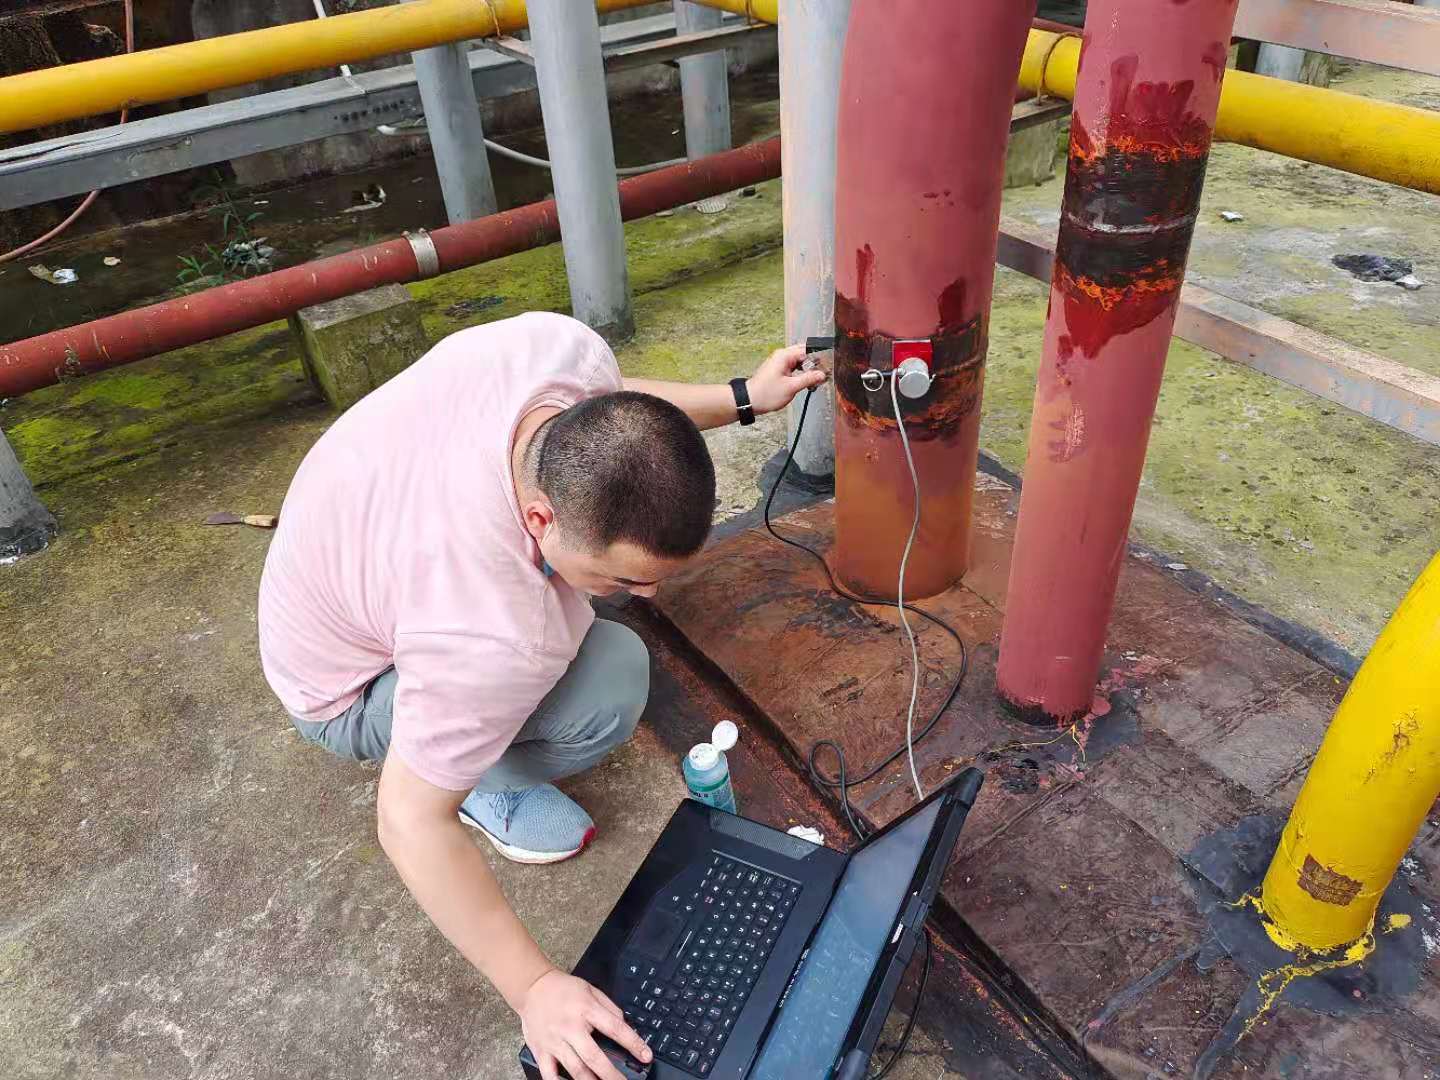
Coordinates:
521 855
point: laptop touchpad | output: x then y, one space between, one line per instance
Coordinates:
656 934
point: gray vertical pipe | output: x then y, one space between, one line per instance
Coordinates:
25 525
704 84
812 45
1280 62
452 118
566 39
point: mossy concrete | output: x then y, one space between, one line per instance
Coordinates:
355 344
1030 157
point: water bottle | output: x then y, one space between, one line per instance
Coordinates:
707 773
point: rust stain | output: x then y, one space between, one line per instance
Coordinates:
1131 195
864 272
952 306
1326 885
1401 740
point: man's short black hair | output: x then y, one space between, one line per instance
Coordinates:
627 467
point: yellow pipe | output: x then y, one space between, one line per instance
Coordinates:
1394 143
54 95
1376 777
759 10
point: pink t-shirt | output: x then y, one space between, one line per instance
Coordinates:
400 543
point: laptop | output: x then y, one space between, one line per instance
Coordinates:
740 952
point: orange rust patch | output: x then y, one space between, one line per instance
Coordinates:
1326 885
1161 280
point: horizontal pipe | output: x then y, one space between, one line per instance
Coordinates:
1374 31
187 320
758 10
1395 143
73 91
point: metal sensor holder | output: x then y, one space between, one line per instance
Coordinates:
909 366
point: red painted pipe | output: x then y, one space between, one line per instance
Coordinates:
134 335
1145 103
925 99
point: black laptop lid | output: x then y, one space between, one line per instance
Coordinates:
837 981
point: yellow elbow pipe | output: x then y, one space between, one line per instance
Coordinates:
767 11
1394 143
54 95
1375 778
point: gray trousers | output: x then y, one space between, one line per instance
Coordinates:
590 711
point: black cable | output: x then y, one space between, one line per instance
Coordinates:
841 781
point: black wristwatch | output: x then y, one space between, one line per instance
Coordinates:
742 402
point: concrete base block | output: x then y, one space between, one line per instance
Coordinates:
352 345
25 525
1030 158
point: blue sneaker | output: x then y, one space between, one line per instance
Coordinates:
536 825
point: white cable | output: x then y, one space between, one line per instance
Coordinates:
541 163
900 591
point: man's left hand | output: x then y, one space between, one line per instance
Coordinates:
779 379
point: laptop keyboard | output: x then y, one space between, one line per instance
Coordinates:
686 1006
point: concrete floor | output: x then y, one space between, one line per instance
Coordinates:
186 891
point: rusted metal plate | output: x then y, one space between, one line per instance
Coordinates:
974 1027
1077 902
1377 31
1069 876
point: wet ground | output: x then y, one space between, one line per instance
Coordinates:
189 892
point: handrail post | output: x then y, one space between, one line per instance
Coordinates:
812 46
25 525
457 136
704 85
571 77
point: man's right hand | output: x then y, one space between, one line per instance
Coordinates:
559 1015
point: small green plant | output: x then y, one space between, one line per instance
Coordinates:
242 255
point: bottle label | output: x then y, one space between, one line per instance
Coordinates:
721 798
723 780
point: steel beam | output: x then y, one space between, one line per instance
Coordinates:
684 45
1377 31
1379 389
39 172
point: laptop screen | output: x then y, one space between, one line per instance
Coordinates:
806 1038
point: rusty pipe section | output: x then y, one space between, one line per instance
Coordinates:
923 125
172 324
1145 105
